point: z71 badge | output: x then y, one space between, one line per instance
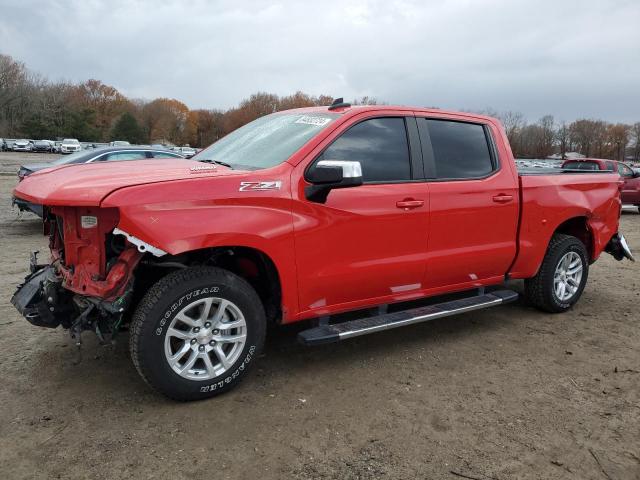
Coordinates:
259 186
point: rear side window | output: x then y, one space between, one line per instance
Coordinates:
381 147
460 150
581 166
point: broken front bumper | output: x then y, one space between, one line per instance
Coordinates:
38 299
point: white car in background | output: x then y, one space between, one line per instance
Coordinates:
22 145
187 152
70 145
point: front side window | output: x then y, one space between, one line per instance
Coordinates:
460 150
267 141
381 147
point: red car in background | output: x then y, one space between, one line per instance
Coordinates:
630 193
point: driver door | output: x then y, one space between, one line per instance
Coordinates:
365 245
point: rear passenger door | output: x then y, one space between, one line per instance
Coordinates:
473 204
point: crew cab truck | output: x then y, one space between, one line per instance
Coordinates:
303 215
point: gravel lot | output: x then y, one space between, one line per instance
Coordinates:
498 394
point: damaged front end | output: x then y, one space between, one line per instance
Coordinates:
88 284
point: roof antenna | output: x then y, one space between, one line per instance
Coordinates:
339 103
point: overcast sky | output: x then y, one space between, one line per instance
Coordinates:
567 58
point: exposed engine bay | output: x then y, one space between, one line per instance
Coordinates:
88 283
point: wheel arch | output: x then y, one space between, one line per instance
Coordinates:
249 263
534 245
580 228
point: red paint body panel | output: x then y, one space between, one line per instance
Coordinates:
550 200
462 250
361 248
88 184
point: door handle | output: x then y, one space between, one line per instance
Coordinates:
502 198
409 203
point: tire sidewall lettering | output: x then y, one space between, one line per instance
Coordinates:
176 306
229 378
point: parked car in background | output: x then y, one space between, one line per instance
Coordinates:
104 154
3 145
70 145
630 191
42 146
22 145
119 143
186 152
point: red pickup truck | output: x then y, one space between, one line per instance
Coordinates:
303 215
630 192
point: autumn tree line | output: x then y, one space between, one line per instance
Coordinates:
34 107
593 138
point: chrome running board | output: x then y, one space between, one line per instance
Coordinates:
364 326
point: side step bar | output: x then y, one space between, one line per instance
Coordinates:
363 326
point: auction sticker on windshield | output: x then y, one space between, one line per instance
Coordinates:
313 120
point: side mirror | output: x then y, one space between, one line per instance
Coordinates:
326 175
636 173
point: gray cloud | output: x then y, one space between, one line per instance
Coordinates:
568 58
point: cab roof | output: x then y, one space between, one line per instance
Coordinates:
356 109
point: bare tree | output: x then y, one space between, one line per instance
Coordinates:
562 137
635 138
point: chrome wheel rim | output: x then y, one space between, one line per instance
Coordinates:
567 277
205 338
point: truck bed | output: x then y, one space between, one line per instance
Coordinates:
550 197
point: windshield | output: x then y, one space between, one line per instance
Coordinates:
267 141
70 140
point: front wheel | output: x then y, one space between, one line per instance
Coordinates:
562 275
196 331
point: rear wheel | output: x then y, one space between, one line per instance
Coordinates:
196 331
562 275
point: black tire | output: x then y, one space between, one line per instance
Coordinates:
540 291
164 301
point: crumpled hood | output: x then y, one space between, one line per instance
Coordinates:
89 184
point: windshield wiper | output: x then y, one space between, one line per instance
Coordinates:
218 162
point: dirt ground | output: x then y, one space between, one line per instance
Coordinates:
505 393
